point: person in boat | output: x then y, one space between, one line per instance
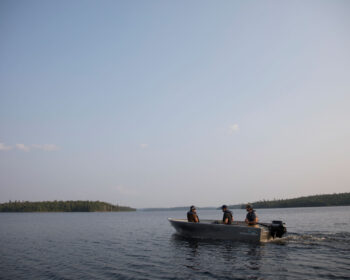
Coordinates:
228 217
251 218
192 215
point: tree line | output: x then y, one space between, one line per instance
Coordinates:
62 206
340 199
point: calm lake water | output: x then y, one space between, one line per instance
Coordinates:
142 245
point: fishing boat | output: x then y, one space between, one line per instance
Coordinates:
237 231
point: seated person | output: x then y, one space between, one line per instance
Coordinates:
251 218
192 215
228 217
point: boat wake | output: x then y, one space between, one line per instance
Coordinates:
326 239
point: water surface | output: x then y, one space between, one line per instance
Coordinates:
143 245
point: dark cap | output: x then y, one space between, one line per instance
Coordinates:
193 207
223 206
249 206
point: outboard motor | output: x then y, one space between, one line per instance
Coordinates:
277 229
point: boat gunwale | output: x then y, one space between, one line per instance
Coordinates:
242 224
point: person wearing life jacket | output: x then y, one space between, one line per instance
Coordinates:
192 215
251 218
228 217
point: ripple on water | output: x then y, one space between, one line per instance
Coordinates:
143 246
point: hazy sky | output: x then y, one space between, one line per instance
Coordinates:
172 103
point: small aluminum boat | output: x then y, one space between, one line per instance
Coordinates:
238 231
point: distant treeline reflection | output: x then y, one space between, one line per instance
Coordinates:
340 199
62 206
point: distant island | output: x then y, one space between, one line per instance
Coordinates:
340 199
182 208
62 206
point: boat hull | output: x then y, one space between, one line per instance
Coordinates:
210 229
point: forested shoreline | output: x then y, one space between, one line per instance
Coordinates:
340 199
62 206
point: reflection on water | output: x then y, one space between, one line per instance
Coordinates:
188 247
255 255
218 256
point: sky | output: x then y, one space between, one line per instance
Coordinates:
173 103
